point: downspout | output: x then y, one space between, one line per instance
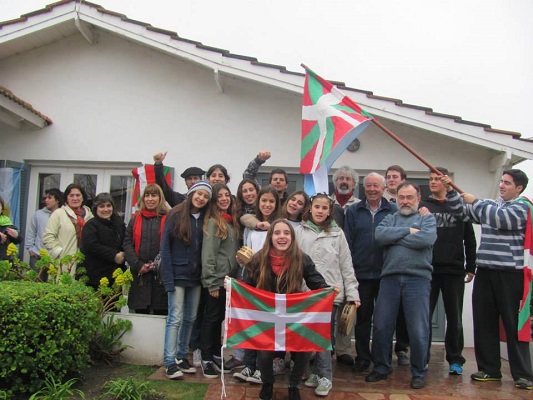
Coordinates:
84 29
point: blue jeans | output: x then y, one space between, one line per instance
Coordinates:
413 293
182 307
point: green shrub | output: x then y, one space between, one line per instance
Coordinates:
45 331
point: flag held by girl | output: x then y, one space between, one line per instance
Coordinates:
261 320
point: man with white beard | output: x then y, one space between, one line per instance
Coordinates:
345 180
407 238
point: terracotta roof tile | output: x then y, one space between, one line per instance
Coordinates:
9 94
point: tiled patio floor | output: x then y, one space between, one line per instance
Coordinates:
351 386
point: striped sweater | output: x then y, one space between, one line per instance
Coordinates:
503 225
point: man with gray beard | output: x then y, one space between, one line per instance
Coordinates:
408 239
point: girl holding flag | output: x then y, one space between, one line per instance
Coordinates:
279 267
321 238
267 206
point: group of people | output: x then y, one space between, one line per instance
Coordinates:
389 253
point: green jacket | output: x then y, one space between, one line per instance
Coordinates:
218 257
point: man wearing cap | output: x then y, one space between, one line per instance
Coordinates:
191 176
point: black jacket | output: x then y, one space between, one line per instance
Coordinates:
313 279
146 292
173 198
181 263
455 239
101 241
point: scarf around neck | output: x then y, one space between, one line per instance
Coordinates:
138 227
278 263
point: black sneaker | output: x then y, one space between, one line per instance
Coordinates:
523 383
185 366
173 372
217 363
481 376
208 370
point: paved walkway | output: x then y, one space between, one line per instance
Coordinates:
351 386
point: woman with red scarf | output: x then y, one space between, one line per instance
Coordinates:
220 245
62 235
279 267
141 244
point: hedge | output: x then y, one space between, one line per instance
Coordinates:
45 329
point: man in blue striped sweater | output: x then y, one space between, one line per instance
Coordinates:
499 279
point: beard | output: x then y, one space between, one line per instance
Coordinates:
408 210
344 189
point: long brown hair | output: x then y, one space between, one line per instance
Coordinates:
275 214
214 213
182 228
285 214
240 200
290 280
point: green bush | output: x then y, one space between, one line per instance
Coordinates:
45 331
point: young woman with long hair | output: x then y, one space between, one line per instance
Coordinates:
181 249
295 207
279 267
220 245
321 238
267 210
246 197
142 245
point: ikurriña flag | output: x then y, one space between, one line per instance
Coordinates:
330 122
144 176
524 313
261 320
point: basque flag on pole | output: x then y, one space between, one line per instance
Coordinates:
330 122
524 313
261 320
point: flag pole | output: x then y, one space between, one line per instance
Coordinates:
412 151
356 106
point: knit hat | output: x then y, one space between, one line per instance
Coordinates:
192 171
200 185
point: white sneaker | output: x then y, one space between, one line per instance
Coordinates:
255 378
278 365
197 358
324 386
312 381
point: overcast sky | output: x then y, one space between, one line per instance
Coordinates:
472 58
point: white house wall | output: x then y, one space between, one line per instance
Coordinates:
117 101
